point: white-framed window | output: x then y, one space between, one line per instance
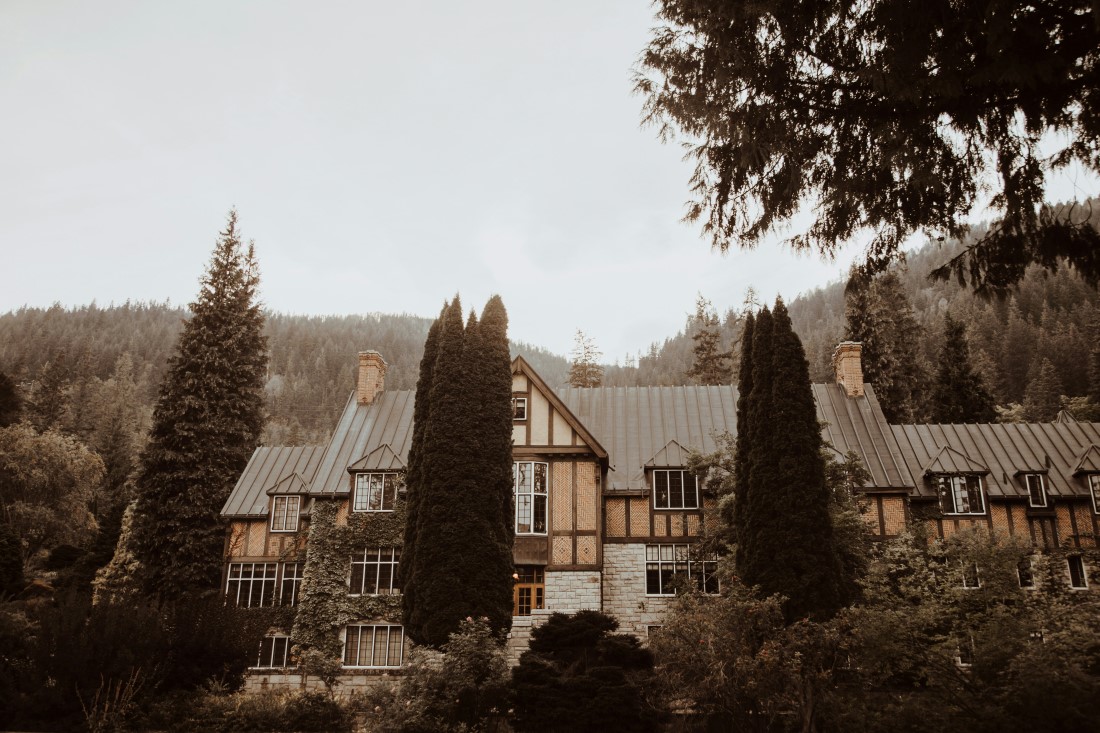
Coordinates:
675 489
274 652
961 494
1025 571
374 572
380 646
1094 489
970 577
530 481
374 492
664 562
1036 490
251 584
519 409
292 582
964 652
284 513
1078 576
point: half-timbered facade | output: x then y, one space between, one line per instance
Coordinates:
605 510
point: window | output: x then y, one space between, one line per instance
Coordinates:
961 494
1077 577
292 581
1025 571
1036 490
519 408
530 484
675 490
665 562
284 514
1094 487
970 577
251 584
530 589
964 652
375 492
274 652
653 629
375 571
374 645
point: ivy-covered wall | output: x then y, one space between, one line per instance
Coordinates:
325 607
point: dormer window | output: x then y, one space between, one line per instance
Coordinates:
519 409
961 494
675 489
1036 490
1094 489
284 513
374 492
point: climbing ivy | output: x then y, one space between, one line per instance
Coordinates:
325 607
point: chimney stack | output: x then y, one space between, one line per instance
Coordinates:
372 377
848 367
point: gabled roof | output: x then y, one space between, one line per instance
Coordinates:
949 460
274 469
673 455
381 458
1007 450
292 484
1090 460
520 366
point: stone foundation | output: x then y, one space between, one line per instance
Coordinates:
569 591
624 590
289 680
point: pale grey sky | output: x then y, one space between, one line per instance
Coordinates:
383 156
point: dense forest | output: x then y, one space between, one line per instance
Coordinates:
64 360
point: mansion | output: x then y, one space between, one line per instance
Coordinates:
605 510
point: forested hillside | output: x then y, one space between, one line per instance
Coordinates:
61 357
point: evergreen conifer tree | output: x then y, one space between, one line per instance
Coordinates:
207 422
460 537
959 395
784 533
711 365
879 316
10 403
1043 396
585 370
1094 365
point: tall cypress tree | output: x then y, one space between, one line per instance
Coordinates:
784 533
959 395
461 537
207 422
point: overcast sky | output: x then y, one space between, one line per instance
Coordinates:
383 156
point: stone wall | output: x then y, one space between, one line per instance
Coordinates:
569 591
624 590
289 680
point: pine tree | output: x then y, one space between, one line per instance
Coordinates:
10 404
1043 396
879 316
1094 365
711 365
959 395
207 422
585 370
457 556
784 533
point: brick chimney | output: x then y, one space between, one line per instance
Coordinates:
848 368
372 377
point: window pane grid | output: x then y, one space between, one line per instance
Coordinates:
374 492
962 494
675 490
284 514
380 645
530 483
251 584
665 562
274 651
1036 491
292 581
375 571
529 589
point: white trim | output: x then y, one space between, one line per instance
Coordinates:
374 626
1094 490
362 480
685 475
1084 572
534 496
297 504
1042 490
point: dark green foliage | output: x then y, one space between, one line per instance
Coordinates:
11 562
207 422
1043 397
958 394
11 405
784 532
579 675
879 316
49 403
264 712
460 530
711 364
884 118
1094 365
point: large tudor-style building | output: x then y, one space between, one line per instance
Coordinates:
605 511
